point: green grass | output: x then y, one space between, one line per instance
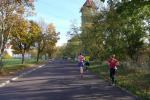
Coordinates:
11 61
12 69
14 65
136 80
17 61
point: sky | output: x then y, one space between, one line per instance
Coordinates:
60 13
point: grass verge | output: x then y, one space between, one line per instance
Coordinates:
11 66
135 80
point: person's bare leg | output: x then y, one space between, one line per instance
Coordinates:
81 72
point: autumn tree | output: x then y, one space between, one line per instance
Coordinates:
8 11
46 41
24 35
51 39
20 37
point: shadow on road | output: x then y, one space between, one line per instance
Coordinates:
61 81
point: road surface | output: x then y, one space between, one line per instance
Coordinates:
60 80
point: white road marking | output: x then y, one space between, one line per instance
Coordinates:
15 78
21 75
2 85
7 82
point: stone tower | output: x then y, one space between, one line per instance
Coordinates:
88 10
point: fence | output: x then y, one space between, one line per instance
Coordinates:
28 56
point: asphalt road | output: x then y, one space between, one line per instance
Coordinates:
60 80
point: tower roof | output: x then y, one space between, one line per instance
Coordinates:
88 3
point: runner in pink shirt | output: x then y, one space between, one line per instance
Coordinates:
81 64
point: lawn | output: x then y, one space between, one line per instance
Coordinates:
14 65
135 80
17 61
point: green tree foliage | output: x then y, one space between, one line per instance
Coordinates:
134 15
121 28
34 32
73 47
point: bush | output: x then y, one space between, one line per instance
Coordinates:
33 53
6 56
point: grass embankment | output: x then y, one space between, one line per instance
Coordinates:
135 80
11 66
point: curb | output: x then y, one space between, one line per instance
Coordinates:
19 76
123 89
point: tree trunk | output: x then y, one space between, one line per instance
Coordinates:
23 53
1 46
45 56
38 55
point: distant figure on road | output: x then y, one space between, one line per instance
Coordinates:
81 63
87 62
113 64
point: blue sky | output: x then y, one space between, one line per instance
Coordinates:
59 12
